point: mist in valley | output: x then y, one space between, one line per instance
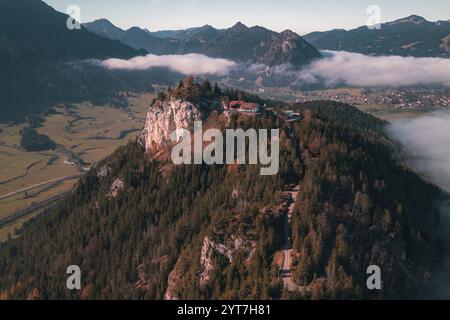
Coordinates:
425 142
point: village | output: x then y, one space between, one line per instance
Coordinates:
401 98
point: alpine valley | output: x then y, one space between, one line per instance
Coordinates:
89 119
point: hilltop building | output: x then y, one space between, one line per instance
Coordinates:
243 106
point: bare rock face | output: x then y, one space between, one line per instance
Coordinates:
115 188
172 282
103 171
164 118
210 248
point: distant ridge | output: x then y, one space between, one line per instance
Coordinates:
239 43
410 36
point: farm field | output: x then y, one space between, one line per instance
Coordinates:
84 134
390 114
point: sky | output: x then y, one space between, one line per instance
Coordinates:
301 16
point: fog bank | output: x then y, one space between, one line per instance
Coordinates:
186 64
426 142
356 69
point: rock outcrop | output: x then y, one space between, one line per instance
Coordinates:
164 118
172 282
211 248
103 171
115 188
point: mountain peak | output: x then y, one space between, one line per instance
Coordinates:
411 19
239 26
289 33
136 30
101 23
105 28
102 20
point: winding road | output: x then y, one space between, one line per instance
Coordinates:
35 206
288 284
3 196
21 213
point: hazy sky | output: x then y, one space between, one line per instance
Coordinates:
302 16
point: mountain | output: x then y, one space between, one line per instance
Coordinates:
140 39
255 44
410 36
134 37
104 28
177 34
33 32
238 43
44 63
141 227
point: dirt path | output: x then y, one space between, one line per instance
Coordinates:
286 268
39 185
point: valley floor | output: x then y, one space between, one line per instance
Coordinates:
84 134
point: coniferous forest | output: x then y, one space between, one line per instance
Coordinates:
216 232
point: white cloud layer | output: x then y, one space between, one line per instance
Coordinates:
426 141
186 64
359 70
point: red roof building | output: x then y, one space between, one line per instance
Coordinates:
243 106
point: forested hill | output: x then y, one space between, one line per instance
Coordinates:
33 32
145 229
41 62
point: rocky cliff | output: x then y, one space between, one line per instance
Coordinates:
165 117
177 109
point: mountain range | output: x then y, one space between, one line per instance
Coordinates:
410 36
238 43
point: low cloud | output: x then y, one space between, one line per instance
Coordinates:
335 68
185 64
356 69
426 142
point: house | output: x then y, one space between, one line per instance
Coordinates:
245 107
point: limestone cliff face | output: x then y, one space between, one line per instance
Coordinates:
163 118
172 282
231 247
